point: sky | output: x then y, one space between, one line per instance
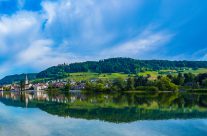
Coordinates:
37 34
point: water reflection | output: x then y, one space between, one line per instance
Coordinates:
116 107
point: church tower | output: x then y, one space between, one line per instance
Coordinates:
26 80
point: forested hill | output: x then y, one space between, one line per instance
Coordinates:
112 65
16 78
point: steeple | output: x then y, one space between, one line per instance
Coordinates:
26 80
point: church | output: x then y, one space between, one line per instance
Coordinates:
27 84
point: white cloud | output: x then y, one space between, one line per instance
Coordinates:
36 51
22 37
85 23
144 43
17 31
73 31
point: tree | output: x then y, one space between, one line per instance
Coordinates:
88 86
22 85
118 84
67 87
164 84
189 77
201 77
140 81
179 80
170 77
204 82
130 84
100 87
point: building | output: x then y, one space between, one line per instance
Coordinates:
26 81
15 87
27 84
40 87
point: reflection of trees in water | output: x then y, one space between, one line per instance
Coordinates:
119 107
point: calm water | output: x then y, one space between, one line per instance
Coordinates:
77 114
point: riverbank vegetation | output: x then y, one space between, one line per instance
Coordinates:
179 82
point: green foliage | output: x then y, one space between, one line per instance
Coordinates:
204 82
86 76
179 80
118 84
164 84
118 65
113 68
130 84
22 85
67 87
140 81
189 77
96 86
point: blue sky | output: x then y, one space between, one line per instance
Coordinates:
36 34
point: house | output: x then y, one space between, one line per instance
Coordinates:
79 86
40 87
58 85
15 87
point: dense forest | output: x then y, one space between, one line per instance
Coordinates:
121 65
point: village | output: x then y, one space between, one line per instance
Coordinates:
39 92
40 87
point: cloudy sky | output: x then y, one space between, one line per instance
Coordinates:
36 34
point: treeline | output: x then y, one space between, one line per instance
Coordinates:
138 83
121 65
162 83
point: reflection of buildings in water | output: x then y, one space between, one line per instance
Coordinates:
60 99
7 96
72 99
26 102
41 95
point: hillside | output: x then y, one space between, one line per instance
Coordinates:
112 68
15 78
119 65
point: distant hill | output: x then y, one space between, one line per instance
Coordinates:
16 78
112 65
123 65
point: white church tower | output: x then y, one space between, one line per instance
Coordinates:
27 84
26 80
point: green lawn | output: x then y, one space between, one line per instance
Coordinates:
154 74
198 71
89 75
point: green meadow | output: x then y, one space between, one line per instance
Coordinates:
153 74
